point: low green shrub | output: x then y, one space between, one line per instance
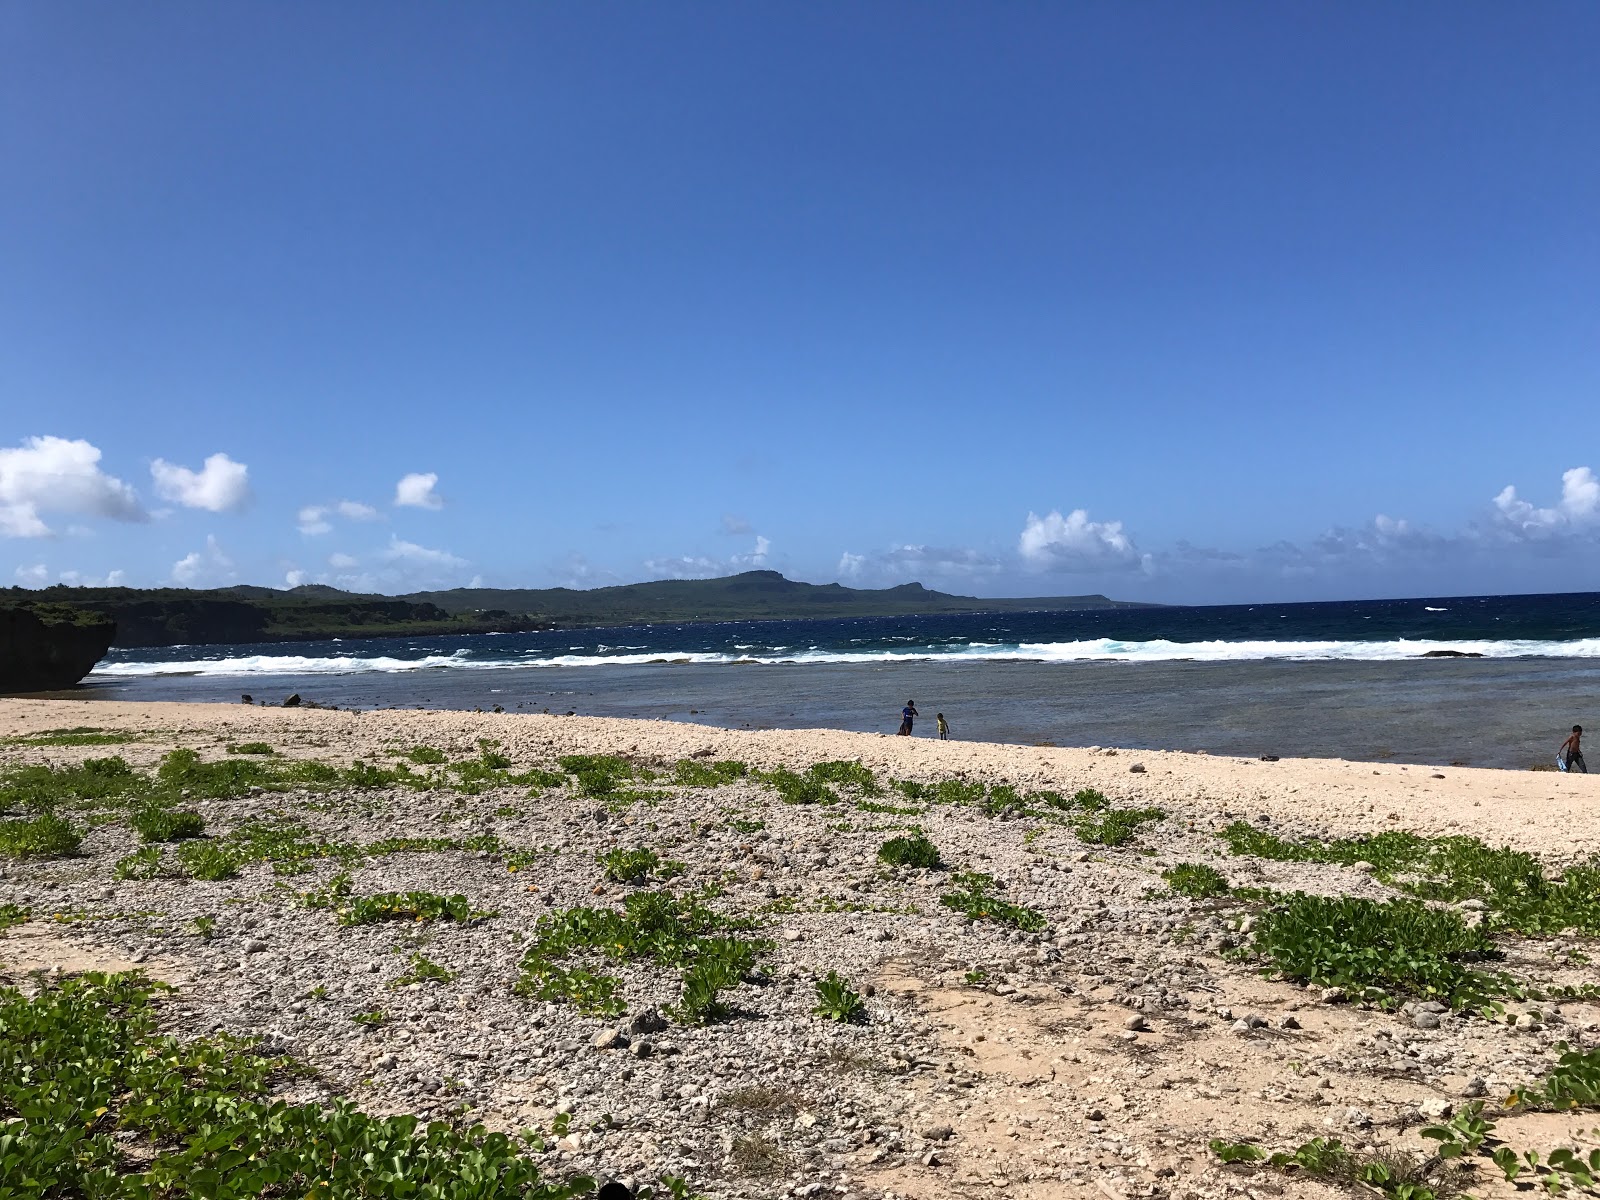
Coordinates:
143 863
44 836
251 748
1195 880
690 772
974 897
837 1000
407 906
423 970
1115 826
81 736
1385 951
12 915
913 851
167 825
427 756
847 774
793 788
1574 1082
597 774
636 866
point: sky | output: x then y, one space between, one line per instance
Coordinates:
1181 302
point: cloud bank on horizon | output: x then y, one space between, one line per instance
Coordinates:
46 479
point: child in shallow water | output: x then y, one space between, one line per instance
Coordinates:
1570 756
944 729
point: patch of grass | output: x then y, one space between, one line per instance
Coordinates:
851 775
416 907
597 774
1519 892
251 748
12 915
44 836
1115 826
759 1157
1385 951
210 861
746 824
427 756
636 866
372 1018
689 772
84 1069
423 970
761 1100
793 788
83 735
1195 880
94 782
974 897
652 925
838 1001
167 825
913 851
946 791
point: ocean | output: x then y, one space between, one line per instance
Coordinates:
1482 680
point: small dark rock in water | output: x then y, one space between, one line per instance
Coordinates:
247 698
1450 654
293 701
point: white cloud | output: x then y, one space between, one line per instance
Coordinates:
912 562
1075 543
110 579
35 576
209 566
52 474
313 518
1576 511
412 554
735 525
692 566
296 577
220 485
416 491
343 562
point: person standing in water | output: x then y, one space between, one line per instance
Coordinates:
944 729
1570 756
908 714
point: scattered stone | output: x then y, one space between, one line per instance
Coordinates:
939 1133
609 1039
1137 768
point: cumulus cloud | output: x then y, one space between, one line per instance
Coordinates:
52 474
220 485
343 562
1075 543
735 525
209 566
416 491
313 519
1577 511
109 579
295 577
907 562
35 576
411 554
693 566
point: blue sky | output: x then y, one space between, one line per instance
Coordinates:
1184 302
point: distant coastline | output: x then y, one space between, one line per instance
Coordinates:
156 617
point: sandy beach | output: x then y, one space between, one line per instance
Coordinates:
1096 1053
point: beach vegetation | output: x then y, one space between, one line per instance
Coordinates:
690 772
422 969
758 1156
851 775
636 866
794 788
946 791
913 851
427 756
44 836
203 927
143 863
974 896
1520 893
87 1069
1382 951
1195 880
654 926
156 824
81 735
1574 1082
12 915
417 907
761 1100
251 748
597 774
1115 826
746 824
371 1018
93 782
838 1001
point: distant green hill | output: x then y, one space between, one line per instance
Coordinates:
178 616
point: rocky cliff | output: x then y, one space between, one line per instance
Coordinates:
45 647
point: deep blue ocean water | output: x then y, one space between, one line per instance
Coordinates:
1345 679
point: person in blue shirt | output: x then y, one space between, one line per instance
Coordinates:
908 714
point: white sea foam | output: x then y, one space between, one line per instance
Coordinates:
1093 650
